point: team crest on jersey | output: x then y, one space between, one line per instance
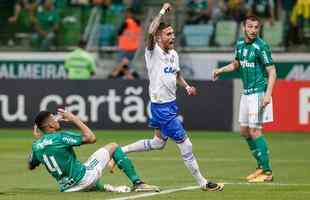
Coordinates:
245 52
252 54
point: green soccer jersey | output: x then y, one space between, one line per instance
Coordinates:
254 58
47 19
55 151
80 64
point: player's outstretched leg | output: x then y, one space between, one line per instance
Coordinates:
192 165
125 164
156 143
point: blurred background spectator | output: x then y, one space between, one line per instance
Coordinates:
264 9
80 64
46 24
300 19
129 38
237 10
123 71
115 28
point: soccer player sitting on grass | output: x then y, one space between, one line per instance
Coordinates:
54 149
254 62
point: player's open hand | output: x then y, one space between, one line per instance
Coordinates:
35 132
66 115
191 91
265 101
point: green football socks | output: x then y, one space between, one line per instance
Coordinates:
124 163
254 150
263 153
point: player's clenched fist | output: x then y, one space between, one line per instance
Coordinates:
166 8
191 91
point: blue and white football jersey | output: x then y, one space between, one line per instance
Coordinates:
162 70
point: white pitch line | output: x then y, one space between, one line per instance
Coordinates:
156 193
196 187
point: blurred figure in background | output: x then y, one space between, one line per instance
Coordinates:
110 20
19 18
237 9
80 64
287 7
46 25
264 9
301 21
23 5
123 71
204 12
129 38
199 12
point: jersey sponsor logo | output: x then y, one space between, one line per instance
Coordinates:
245 63
169 70
69 140
44 143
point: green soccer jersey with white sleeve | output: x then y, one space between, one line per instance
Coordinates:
55 151
254 57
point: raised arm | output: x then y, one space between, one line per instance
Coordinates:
234 65
88 136
154 25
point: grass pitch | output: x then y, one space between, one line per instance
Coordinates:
222 157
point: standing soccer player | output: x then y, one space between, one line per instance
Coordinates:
254 62
162 63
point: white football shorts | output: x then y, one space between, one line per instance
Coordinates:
94 167
250 112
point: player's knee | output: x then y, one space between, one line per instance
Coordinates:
186 149
157 143
255 132
111 147
244 132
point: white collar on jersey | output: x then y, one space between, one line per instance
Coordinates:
161 50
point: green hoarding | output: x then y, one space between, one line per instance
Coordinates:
32 69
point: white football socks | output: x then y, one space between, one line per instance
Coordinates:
145 145
191 162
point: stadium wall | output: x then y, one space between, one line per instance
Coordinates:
112 104
196 66
291 107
